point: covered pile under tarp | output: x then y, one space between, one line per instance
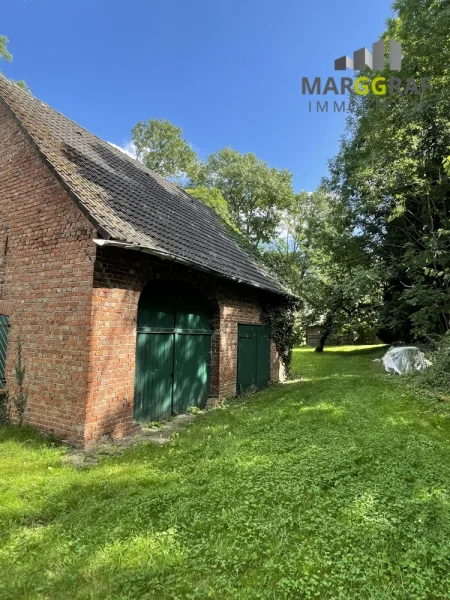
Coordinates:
404 360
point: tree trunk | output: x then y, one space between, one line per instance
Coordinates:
326 331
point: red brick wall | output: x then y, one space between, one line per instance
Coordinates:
235 310
46 271
113 346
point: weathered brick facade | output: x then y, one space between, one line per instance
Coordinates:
74 305
47 270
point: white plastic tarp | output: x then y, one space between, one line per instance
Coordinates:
404 360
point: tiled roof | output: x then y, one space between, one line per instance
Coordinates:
126 201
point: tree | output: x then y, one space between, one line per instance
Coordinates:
255 193
340 286
390 179
3 49
324 262
248 194
344 299
160 146
5 55
302 226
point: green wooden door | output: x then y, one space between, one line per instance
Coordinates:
192 360
253 372
154 374
192 371
173 351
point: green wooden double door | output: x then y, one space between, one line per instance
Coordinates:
253 358
173 354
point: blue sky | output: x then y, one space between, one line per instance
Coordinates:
227 71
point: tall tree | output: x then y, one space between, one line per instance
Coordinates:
324 261
161 147
390 178
300 237
242 189
256 194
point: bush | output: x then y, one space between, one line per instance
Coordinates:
437 377
281 320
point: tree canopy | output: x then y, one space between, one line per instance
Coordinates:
390 178
160 146
256 194
325 263
4 54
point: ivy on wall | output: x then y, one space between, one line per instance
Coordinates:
281 320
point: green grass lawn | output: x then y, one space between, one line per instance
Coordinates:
337 486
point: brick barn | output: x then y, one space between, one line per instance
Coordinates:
130 297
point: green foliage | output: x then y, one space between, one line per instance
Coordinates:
160 146
22 84
3 49
255 193
153 425
325 263
333 487
348 298
390 178
19 367
446 163
436 379
300 245
281 319
5 55
214 199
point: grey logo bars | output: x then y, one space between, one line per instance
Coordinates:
374 60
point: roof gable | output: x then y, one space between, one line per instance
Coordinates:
129 203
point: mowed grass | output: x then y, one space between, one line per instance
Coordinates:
337 486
